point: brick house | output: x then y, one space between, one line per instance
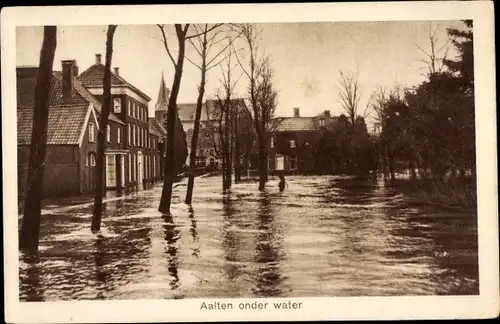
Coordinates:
129 155
158 136
292 145
71 133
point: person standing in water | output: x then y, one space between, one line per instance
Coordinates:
282 183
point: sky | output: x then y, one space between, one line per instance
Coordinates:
306 58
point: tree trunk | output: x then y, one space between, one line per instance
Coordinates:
227 170
169 174
391 166
30 229
103 124
237 153
196 129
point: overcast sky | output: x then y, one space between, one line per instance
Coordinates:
306 58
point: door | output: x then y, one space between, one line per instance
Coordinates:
280 162
122 170
140 167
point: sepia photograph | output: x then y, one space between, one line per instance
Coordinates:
249 166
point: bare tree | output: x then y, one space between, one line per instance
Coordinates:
203 46
259 75
30 229
433 59
101 135
181 33
350 95
224 112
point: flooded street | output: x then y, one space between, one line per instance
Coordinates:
322 236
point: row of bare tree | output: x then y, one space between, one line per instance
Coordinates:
262 97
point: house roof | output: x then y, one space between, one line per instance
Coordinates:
66 120
187 110
64 126
294 124
93 100
155 128
92 77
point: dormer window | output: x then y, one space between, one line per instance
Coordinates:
321 122
292 143
108 133
91 132
117 108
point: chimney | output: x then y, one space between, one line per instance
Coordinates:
98 59
296 112
68 74
117 71
75 70
327 113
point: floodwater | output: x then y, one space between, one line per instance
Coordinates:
322 236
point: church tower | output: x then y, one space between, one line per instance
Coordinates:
162 101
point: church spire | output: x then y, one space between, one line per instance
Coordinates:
163 95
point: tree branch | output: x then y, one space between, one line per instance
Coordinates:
190 61
166 44
204 32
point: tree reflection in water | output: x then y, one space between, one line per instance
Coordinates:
101 275
194 233
172 235
268 276
230 239
30 283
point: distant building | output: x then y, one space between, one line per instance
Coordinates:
207 155
293 143
158 136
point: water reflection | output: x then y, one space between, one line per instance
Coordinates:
194 233
30 282
322 236
230 240
268 276
172 235
101 274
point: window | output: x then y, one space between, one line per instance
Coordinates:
118 135
130 108
321 122
129 168
108 133
110 171
292 143
133 135
293 163
87 160
91 132
92 159
117 105
129 134
272 142
154 166
136 111
200 161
